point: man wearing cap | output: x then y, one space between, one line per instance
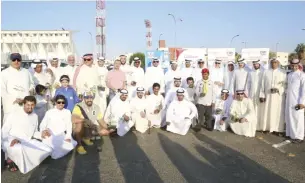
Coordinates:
295 103
155 103
128 70
86 78
206 96
115 79
138 106
154 74
272 93
16 83
172 73
87 120
228 74
253 86
217 76
222 111
180 114
137 77
118 113
103 91
71 67
197 71
186 72
239 78
242 116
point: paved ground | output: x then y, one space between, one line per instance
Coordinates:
205 157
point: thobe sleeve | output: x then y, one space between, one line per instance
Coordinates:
31 81
4 92
194 112
262 90
283 87
214 93
227 106
170 112
44 122
232 83
233 109
162 83
250 109
302 90
37 134
147 80
108 113
6 128
68 121
168 99
248 84
197 89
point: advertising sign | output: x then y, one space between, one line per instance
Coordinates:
163 57
251 54
193 54
224 54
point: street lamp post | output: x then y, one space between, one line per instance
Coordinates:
276 46
303 29
233 38
175 39
245 43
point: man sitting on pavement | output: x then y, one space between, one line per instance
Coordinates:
87 120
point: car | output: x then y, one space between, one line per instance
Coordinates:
27 63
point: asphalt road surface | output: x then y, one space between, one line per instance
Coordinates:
205 157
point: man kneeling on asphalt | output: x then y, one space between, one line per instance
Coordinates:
87 120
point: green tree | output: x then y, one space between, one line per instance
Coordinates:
272 54
292 56
300 50
140 55
237 56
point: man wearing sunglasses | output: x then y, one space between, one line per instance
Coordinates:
217 73
197 71
242 115
87 120
16 83
154 74
239 77
137 77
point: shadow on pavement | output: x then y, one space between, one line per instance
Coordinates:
217 163
134 163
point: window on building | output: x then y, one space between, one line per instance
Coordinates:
34 34
51 34
60 34
41 35
56 34
27 35
67 35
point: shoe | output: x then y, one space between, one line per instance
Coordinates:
87 142
297 141
81 150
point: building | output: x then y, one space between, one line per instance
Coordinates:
37 44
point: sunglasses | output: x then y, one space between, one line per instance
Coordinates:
88 97
239 94
60 102
16 60
217 63
155 61
87 59
137 62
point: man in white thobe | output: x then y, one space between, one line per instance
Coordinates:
239 78
217 76
57 123
253 87
180 114
186 72
138 106
70 68
295 103
242 116
86 78
58 71
155 103
197 71
118 113
128 70
171 93
222 111
169 76
103 91
19 134
40 77
228 74
16 83
154 74
272 92
137 77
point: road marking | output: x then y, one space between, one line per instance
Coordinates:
277 146
281 144
291 155
262 139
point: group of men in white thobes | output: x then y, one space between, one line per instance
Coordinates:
237 98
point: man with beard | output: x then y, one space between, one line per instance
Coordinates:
190 89
272 93
138 106
58 71
40 77
295 103
180 114
137 77
71 67
254 83
87 120
154 74
239 78
172 73
155 103
242 116
19 134
186 72
118 113
128 70
16 83
217 77
222 111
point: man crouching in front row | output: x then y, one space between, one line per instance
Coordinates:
87 120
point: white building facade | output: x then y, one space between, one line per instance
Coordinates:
37 44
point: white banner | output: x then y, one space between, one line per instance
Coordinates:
252 54
193 54
224 54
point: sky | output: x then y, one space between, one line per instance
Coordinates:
205 24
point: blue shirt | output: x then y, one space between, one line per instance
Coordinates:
70 95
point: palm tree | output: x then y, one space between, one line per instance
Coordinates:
300 50
237 56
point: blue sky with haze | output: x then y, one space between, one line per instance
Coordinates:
208 24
